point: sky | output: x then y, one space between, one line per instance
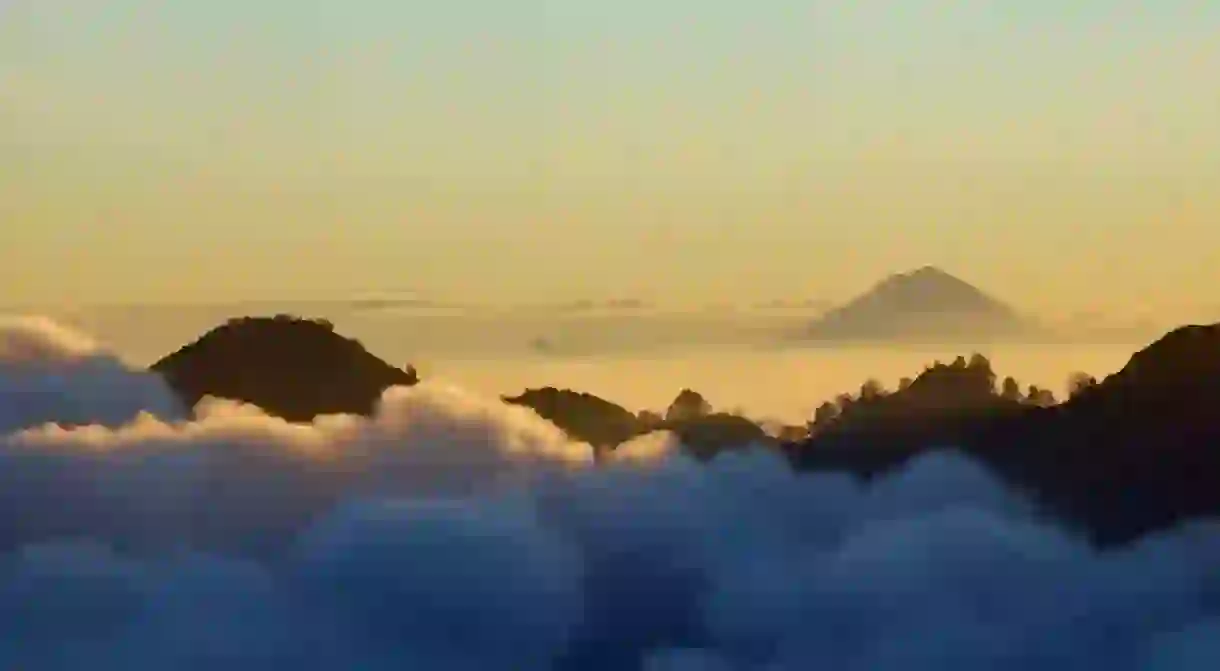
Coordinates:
1063 156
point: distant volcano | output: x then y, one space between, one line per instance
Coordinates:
924 305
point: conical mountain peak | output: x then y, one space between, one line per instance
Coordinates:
925 303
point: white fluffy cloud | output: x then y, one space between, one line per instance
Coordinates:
451 532
50 374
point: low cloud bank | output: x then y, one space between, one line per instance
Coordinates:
51 374
454 532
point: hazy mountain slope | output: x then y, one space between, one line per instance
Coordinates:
923 305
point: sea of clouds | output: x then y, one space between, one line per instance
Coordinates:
453 532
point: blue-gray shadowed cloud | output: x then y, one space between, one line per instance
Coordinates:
133 544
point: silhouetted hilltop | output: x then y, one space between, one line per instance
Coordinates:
582 416
927 304
708 435
291 367
941 396
1188 354
606 425
1136 452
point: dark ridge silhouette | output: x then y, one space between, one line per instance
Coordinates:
708 435
582 416
688 404
1134 453
875 430
606 425
291 367
926 305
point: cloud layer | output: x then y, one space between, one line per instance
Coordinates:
454 532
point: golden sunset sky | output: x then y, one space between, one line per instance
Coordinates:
1063 156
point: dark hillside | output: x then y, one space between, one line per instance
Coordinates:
1137 452
293 368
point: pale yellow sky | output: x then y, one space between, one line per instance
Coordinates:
1063 160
